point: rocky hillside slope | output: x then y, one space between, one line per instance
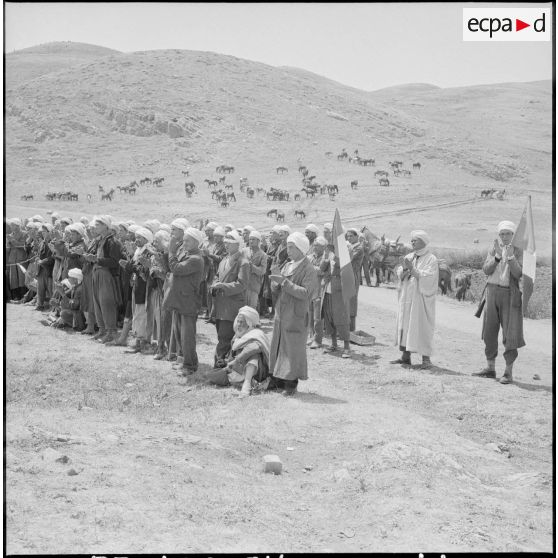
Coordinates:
65 101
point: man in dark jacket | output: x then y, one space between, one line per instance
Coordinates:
107 294
183 296
229 294
46 264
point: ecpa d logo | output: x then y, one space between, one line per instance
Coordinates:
507 24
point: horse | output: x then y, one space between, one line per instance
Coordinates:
280 216
272 212
377 253
300 213
384 182
354 184
416 166
282 169
296 197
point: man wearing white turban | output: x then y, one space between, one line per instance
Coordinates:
182 296
107 295
503 307
258 266
416 312
295 284
16 253
311 232
71 314
249 356
356 254
229 294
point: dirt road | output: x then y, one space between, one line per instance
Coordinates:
457 320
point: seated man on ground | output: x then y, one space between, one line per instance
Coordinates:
248 361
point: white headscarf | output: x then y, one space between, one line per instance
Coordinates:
144 233
423 235
312 228
153 225
255 234
250 315
76 273
180 223
300 241
506 226
194 233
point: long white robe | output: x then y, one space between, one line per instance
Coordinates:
416 313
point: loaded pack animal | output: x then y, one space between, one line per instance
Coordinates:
444 277
462 284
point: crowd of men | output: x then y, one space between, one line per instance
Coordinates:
115 279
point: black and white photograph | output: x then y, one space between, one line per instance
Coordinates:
279 278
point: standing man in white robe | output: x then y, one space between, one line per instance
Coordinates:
416 312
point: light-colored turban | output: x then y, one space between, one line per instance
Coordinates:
276 228
84 220
352 230
219 231
211 225
144 233
105 219
300 241
37 218
321 241
285 228
312 228
233 237
133 228
79 228
47 226
153 225
180 223
506 226
423 235
76 273
67 220
194 233
163 234
250 315
124 225
248 228
13 221
328 227
255 234
229 226
165 227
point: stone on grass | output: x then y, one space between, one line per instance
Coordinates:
272 464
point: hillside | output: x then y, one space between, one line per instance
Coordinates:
28 63
84 94
122 116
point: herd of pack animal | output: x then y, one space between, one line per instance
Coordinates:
384 253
